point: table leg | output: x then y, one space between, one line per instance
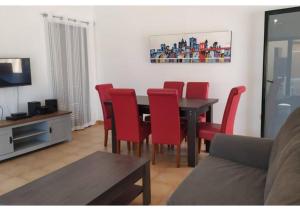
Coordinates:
113 134
146 185
192 142
209 118
209 114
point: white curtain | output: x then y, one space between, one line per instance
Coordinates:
69 69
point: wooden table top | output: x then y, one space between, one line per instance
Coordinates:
184 104
7 123
78 183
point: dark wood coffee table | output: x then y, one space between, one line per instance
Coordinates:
98 179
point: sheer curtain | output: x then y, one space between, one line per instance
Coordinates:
68 64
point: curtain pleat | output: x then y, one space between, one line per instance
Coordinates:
68 64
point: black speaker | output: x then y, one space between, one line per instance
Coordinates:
52 105
33 108
44 110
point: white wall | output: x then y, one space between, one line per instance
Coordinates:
22 35
123 52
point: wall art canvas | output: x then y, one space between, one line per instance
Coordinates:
203 47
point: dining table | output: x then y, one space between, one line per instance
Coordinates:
191 108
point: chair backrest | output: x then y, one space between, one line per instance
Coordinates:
231 108
126 114
197 90
165 120
178 85
103 91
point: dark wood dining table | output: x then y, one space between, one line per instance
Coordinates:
192 108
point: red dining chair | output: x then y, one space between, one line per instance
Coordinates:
178 85
198 90
103 91
208 130
128 123
165 120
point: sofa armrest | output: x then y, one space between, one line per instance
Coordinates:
246 150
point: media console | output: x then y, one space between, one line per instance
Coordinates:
26 135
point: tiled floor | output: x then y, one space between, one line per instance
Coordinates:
165 177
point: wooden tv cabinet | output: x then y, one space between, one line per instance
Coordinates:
26 135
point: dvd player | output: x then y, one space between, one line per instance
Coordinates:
17 116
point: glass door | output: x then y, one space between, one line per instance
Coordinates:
281 77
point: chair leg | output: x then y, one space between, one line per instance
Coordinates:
170 146
178 155
156 148
105 137
139 149
161 148
207 146
153 153
199 145
128 146
118 146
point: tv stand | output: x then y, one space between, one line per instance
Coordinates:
26 135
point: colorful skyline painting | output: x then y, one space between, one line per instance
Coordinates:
204 47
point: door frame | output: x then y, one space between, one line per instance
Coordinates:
265 56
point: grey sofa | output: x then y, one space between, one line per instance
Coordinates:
244 170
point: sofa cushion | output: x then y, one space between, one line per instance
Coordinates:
216 181
284 144
285 189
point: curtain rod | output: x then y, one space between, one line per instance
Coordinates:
45 15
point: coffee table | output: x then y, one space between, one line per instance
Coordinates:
99 179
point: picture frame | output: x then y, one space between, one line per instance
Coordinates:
202 47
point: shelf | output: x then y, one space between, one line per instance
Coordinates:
131 193
26 144
28 133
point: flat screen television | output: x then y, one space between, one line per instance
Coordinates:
15 72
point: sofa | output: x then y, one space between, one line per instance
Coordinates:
243 170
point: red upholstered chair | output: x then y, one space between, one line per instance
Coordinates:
165 120
208 130
178 85
197 90
128 123
103 91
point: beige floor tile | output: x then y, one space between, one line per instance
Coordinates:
7 165
154 172
24 159
70 159
40 162
169 178
3 177
18 169
34 174
160 188
160 191
53 166
11 184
